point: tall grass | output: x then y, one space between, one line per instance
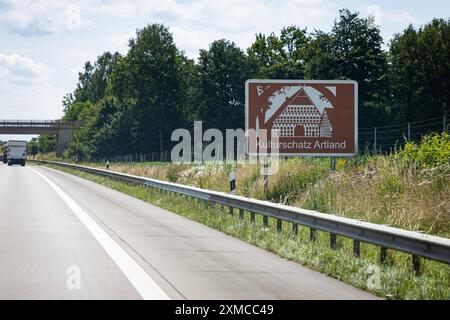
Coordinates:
387 191
379 189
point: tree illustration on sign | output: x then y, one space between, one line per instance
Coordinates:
296 110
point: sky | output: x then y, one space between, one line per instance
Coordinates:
45 43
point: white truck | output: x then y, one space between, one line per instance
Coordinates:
16 152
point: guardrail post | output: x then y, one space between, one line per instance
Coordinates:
231 210
279 224
333 241
356 247
295 228
252 217
383 254
241 214
416 264
312 234
265 221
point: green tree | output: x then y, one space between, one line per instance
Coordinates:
32 145
95 79
92 86
353 50
154 73
223 70
115 135
46 143
280 57
420 71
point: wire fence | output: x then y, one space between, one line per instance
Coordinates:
382 139
136 158
388 138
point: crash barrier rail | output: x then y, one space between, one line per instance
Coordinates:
415 243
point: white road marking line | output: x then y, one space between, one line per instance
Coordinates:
141 281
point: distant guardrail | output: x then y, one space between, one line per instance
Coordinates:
410 242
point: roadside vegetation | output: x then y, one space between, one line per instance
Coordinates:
409 189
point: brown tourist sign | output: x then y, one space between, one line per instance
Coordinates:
302 117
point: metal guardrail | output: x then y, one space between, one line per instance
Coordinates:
414 243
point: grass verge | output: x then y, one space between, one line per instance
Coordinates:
393 279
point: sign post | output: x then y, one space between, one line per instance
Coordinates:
333 164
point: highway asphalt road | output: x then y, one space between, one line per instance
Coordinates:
63 237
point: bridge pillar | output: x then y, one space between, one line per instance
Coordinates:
63 138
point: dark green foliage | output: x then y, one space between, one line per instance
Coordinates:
420 71
280 57
154 70
352 50
223 70
47 143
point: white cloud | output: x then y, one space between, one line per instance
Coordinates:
390 22
384 16
17 69
400 17
197 23
40 101
25 89
72 18
42 17
238 15
375 12
119 43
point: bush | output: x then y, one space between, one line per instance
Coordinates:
433 150
173 172
78 150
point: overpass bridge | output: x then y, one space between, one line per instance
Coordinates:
62 129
